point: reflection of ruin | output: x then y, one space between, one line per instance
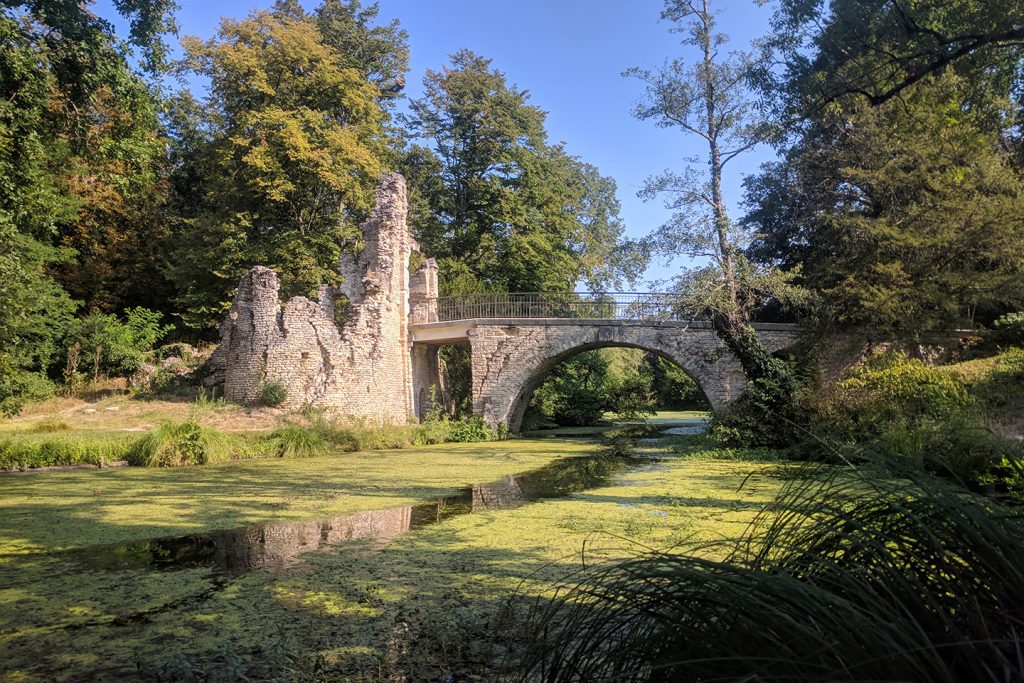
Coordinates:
498 495
275 545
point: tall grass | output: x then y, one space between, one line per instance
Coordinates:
843 578
296 441
48 449
176 444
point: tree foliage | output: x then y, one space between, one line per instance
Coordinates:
904 217
499 206
78 157
290 145
708 96
875 49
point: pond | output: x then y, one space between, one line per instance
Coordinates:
278 545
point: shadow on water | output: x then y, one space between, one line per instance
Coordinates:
272 547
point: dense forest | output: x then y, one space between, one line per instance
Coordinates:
130 207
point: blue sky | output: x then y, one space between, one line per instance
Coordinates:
569 54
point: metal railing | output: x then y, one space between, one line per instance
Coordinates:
579 305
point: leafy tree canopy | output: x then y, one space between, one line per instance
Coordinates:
493 200
877 48
905 216
78 162
289 146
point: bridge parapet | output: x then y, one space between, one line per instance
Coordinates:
649 306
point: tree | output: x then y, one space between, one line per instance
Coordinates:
290 146
904 217
711 100
576 392
379 52
77 133
875 49
499 206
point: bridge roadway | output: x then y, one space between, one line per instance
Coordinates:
511 356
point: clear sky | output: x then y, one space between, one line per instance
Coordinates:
570 55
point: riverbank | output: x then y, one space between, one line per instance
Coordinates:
428 604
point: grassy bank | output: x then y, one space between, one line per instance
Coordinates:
157 433
431 603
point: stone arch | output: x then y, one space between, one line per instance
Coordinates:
521 402
510 362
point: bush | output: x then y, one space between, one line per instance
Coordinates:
122 344
180 444
843 578
896 407
471 429
766 415
50 424
18 386
437 427
1002 387
631 397
1010 329
295 441
892 387
273 393
573 394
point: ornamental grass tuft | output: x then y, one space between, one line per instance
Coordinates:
845 577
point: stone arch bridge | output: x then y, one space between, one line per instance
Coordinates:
517 339
369 347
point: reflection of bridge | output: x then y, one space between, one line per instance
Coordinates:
516 339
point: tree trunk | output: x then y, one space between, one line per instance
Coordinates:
730 324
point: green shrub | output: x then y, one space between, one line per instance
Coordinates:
179 444
471 429
896 407
122 344
631 397
766 415
1010 329
50 424
296 441
574 393
892 387
1002 387
435 428
18 386
273 393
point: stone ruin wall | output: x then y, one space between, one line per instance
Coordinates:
360 368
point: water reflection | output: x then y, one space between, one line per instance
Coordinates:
274 546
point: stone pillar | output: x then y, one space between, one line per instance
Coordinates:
423 293
426 378
252 327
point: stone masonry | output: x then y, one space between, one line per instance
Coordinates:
511 360
381 361
361 367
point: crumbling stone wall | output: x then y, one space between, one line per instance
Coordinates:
360 368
